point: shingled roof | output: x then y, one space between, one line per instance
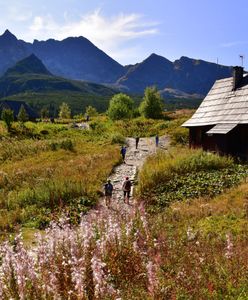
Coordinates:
223 105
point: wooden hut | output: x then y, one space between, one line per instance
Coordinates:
220 124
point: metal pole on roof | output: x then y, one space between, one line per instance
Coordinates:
242 59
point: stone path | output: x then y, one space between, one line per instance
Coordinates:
134 161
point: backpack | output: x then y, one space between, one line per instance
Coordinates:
127 185
123 150
108 188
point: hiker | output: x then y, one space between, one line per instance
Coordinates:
108 190
123 153
157 140
136 142
87 118
126 187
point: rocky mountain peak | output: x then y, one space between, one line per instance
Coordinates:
8 36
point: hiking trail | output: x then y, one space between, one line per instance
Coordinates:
134 161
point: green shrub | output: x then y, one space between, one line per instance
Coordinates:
180 136
117 138
97 126
8 117
183 173
141 127
120 107
53 146
67 144
197 184
44 132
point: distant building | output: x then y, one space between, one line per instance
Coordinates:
220 124
15 106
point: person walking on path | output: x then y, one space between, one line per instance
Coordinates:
108 191
126 187
157 140
136 142
123 153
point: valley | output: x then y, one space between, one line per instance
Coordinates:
185 227
74 118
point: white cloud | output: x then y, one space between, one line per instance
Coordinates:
232 44
114 35
18 14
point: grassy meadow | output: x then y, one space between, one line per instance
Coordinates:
50 169
47 168
186 237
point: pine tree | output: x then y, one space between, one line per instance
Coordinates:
22 115
8 117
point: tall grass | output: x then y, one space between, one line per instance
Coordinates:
41 178
163 166
141 127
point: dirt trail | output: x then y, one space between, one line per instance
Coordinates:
134 161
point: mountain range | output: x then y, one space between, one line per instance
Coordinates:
30 81
183 77
30 75
76 58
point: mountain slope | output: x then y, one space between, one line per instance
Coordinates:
30 74
29 65
153 70
186 75
11 51
196 76
29 80
77 58
74 57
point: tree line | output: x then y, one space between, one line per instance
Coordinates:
122 106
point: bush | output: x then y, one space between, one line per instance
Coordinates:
99 127
180 136
197 184
117 138
120 107
91 111
66 144
8 117
44 132
141 127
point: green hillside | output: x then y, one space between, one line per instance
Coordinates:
77 101
30 81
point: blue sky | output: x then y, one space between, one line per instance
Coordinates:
130 30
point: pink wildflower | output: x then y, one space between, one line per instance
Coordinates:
152 277
229 246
